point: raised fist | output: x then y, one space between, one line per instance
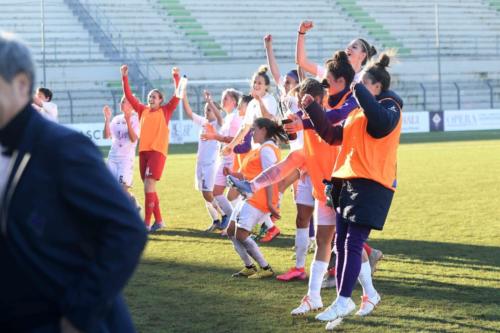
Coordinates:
124 70
305 26
107 112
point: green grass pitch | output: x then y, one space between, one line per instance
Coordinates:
441 271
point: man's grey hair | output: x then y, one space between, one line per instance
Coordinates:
15 58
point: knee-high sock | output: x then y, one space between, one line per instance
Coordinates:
318 270
156 209
241 250
356 236
149 205
268 222
212 211
280 171
301 244
224 204
365 279
254 251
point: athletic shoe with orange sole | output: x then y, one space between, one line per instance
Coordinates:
270 235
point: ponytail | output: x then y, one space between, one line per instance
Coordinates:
377 72
274 131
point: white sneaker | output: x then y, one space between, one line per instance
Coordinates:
367 305
335 311
307 305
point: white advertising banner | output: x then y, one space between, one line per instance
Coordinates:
471 120
415 122
93 131
181 131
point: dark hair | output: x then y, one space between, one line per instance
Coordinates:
262 72
339 67
312 87
294 75
46 92
378 72
370 50
274 131
245 99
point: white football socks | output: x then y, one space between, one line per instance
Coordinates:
318 270
365 279
301 244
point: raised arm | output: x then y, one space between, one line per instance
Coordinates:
271 59
187 107
300 50
136 105
268 106
132 126
107 118
172 104
213 107
228 149
331 134
245 146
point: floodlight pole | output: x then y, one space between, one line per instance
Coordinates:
42 5
438 47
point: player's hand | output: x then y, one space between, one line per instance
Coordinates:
210 132
107 112
226 171
306 100
274 212
207 96
256 95
305 26
227 150
176 71
67 326
268 40
124 70
295 126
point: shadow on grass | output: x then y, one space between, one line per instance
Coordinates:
168 296
447 254
282 241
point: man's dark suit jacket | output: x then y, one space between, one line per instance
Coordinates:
69 236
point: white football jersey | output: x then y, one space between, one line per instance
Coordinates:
207 149
121 146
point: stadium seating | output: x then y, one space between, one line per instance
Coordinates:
219 44
65 39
